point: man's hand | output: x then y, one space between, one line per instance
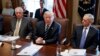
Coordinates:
39 40
28 37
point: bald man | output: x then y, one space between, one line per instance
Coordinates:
85 36
47 31
20 26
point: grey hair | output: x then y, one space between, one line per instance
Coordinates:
90 17
18 9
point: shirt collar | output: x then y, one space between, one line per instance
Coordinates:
87 27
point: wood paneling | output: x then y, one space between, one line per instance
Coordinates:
16 3
98 13
0 4
69 16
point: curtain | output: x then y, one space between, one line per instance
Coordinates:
86 6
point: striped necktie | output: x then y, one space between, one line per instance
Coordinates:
41 11
46 31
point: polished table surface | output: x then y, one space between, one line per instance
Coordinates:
46 50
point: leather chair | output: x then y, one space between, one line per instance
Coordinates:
1 24
6 23
33 22
63 22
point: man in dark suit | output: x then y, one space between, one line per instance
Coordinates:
20 26
99 39
47 31
39 12
26 12
85 36
1 23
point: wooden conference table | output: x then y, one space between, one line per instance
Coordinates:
46 50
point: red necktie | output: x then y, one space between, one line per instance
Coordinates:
41 12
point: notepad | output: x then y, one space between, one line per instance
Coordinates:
30 50
77 52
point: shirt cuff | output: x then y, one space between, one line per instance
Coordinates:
43 41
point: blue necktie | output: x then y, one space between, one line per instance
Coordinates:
83 38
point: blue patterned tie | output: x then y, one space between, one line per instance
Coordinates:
83 38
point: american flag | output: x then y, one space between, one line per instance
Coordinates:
59 8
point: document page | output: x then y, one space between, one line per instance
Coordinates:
30 50
0 43
1 37
10 38
74 52
65 53
77 52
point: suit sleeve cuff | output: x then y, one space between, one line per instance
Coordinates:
43 41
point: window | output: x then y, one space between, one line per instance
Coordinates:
32 5
48 4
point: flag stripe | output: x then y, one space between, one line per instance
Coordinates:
65 4
63 8
57 10
60 8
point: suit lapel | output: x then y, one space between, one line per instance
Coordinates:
14 24
42 28
52 29
89 35
79 35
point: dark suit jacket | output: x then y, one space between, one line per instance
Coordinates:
52 35
37 14
1 24
25 28
26 12
99 39
91 39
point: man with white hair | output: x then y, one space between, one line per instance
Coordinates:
85 36
20 26
47 31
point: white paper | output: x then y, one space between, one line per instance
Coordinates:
30 50
1 38
18 46
10 38
65 53
77 52
0 43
